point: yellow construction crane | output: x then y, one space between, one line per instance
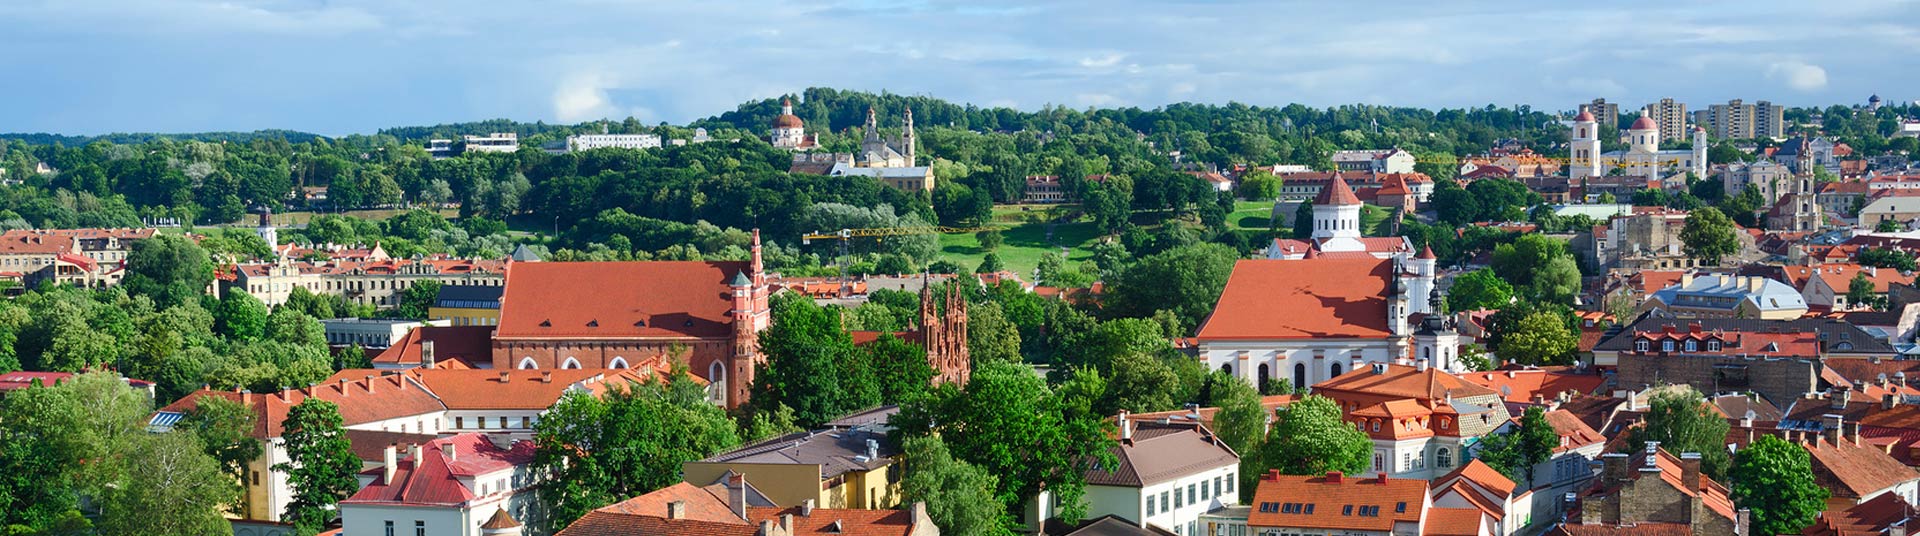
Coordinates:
877 232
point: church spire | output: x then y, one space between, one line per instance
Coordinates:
908 139
872 127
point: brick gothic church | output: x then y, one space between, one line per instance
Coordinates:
605 315
942 331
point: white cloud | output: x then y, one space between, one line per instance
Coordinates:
581 97
1108 60
1798 75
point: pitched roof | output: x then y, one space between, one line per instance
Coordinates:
435 478
1853 470
370 399
1300 299
837 452
666 299
470 345
1574 433
1835 330
707 514
1163 452
1335 502
1870 518
1403 381
1107 525
1518 386
517 389
1453 522
1336 194
1485 476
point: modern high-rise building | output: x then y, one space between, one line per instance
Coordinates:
1606 114
1769 120
1670 116
1733 120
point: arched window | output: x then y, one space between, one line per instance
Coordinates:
617 363
1264 378
1299 376
1336 371
527 363
1444 458
1379 461
1426 352
1226 368
717 377
570 363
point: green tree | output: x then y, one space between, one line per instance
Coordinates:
990 239
1518 452
1709 236
991 336
225 430
167 268
1186 280
415 301
320 464
172 488
628 442
1682 421
1885 258
812 366
1241 423
1889 226
1539 338
1478 289
899 366
1303 221
1520 261
959 496
1861 294
1309 438
241 316
1774 479
291 326
990 264
1008 423
1259 186
1139 383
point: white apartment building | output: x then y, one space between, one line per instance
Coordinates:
1168 475
588 142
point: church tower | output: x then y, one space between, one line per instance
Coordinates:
1436 342
907 140
1336 218
1699 167
872 127
1420 281
1585 160
789 132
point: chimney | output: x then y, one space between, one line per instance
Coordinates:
1381 478
1900 379
505 376
426 354
546 376
920 514
450 451
1830 427
1839 396
343 387
786 523
1614 467
414 452
1754 284
737 494
1335 477
1690 470
1686 279
1126 428
1888 401
1743 523
369 379
806 508
873 449
1420 365
677 510
391 457
1357 363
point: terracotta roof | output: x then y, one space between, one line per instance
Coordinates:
1584 116
1870 518
1337 502
1486 476
527 389
471 345
1336 194
707 514
370 445
666 299
1402 381
1574 433
361 401
1300 299
1644 123
16 243
1853 471
1453 522
500 520
1518 386
436 478
1163 452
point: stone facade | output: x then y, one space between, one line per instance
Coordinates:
1780 379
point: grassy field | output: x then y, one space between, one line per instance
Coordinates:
1250 215
1024 246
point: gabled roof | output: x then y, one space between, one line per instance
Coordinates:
707 513
1336 194
1862 342
1852 470
837 452
470 345
1453 522
1163 452
526 389
1300 299
1518 386
1335 502
434 479
1402 381
370 399
650 299
1870 518
1574 433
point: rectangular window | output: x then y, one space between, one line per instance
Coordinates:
389 528
1149 505
1178 499
1192 494
1400 508
1203 490
419 528
1163 501
460 423
1230 482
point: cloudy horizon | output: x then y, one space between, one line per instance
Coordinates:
338 67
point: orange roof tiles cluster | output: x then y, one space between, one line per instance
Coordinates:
1337 502
663 299
1300 299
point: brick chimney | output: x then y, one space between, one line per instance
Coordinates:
1839 396
677 510
1690 470
506 377
1888 401
1335 477
1614 468
369 382
737 494
1381 478
1830 427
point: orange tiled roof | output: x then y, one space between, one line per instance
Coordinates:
369 399
669 299
1852 470
1300 299
1331 496
1453 522
1402 381
1520 385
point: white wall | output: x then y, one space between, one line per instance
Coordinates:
1280 356
1131 502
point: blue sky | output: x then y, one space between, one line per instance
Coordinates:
346 66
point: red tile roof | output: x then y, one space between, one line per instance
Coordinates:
1402 381
1330 497
707 514
1870 518
434 480
1518 386
471 345
1301 299
1851 470
1453 522
526 389
1574 433
1336 194
665 299
361 401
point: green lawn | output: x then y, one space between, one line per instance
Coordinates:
1251 215
1023 247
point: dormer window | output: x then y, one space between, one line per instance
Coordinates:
1666 346
1640 345
1693 346
1713 346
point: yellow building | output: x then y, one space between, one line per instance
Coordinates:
835 468
467 305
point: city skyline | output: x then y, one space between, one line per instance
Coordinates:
354 66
